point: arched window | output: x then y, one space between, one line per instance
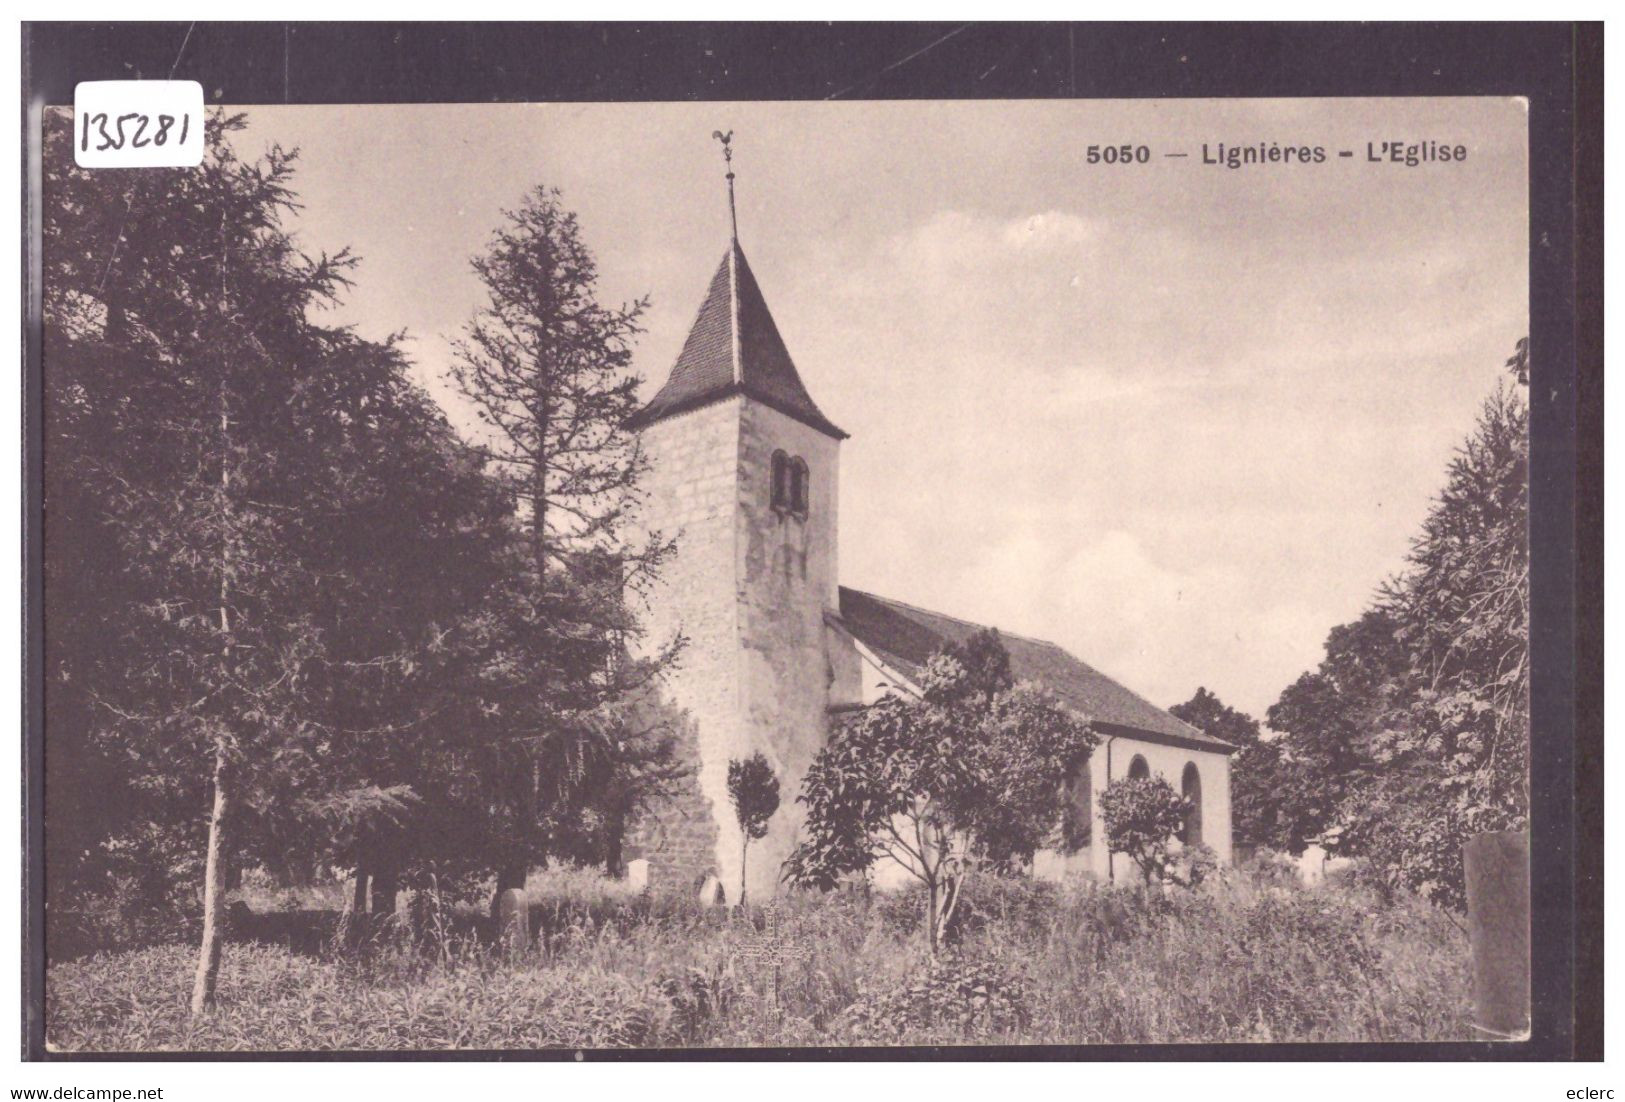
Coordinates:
1138 770
792 488
1191 786
800 486
782 478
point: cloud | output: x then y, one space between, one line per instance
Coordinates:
1048 230
952 241
1158 629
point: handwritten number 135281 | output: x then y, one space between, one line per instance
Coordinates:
132 129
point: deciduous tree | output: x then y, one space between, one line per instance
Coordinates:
1453 753
754 792
969 773
1328 720
1141 816
1414 732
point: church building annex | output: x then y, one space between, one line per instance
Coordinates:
744 470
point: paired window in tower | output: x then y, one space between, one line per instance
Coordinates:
791 491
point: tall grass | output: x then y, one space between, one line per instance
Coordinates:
1029 963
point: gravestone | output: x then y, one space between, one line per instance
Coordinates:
1497 872
765 954
637 874
513 920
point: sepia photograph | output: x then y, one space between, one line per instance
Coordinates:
787 575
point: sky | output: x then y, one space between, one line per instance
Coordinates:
1178 418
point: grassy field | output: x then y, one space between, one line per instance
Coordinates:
1238 960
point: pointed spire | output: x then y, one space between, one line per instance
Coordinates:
728 159
734 346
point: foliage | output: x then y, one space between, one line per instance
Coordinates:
547 368
1414 733
1020 902
1193 865
282 1001
1141 816
1407 829
953 997
698 998
754 792
249 603
1271 869
969 774
1462 610
1327 720
238 539
1092 964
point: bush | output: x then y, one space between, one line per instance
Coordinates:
1141 815
957 999
133 912
1237 964
1269 869
699 998
1193 866
1018 901
270 999
1078 963
1309 963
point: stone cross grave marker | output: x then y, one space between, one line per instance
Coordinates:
764 955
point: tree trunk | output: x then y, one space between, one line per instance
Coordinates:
384 887
214 891
931 907
214 865
951 892
744 852
614 846
358 901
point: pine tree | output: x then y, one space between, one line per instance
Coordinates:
251 515
548 370
181 310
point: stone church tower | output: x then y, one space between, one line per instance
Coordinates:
743 472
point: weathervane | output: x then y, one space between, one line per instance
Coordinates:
728 159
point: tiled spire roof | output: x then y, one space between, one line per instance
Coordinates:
734 348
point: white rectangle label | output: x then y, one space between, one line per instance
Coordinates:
138 124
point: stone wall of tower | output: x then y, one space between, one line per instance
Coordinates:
692 489
786 579
748 589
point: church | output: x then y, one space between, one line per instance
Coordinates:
745 472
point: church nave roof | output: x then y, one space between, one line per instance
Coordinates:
905 637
